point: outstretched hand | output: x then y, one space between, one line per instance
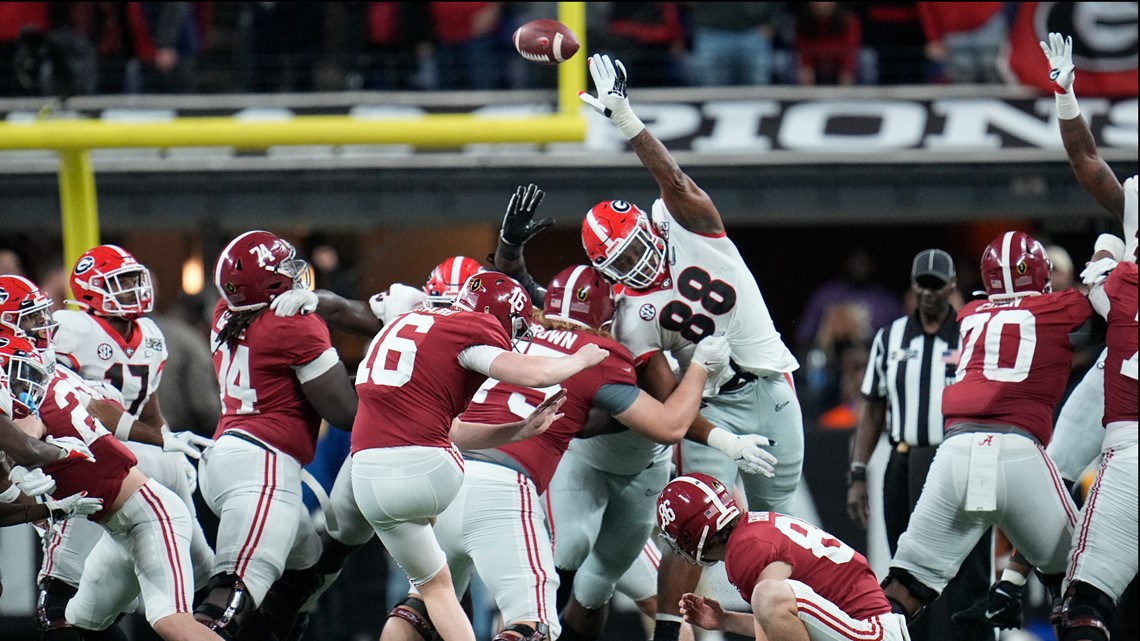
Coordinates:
519 225
612 102
702 612
1059 51
543 416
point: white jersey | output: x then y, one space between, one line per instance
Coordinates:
710 290
88 345
1130 223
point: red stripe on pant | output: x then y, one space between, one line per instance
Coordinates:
170 540
531 541
1059 486
1086 522
842 627
260 516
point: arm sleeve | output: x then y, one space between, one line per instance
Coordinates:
319 365
615 398
477 358
874 379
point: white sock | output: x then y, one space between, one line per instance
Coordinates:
1014 577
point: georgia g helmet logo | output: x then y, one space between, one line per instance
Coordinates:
3 295
3 341
620 206
84 264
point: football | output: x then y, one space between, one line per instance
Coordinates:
546 42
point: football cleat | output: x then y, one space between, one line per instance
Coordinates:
999 608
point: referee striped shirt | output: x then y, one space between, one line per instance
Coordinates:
909 369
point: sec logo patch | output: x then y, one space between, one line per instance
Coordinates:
647 312
104 352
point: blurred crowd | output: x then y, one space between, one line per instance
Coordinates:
80 48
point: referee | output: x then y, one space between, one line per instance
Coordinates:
912 359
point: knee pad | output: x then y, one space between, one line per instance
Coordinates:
1087 607
52 604
917 589
414 611
1052 582
225 606
565 588
541 632
282 604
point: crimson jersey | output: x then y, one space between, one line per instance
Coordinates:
1118 306
411 385
1015 360
498 402
822 562
62 415
260 379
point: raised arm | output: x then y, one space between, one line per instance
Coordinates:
688 203
518 228
1092 172
542 371
350 315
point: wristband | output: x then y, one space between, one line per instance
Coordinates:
123 427
857 473
1111 244
507 250
1067 107
720 439
627 123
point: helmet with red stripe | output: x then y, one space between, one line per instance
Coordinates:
1015 264
255 268
108 281
24 374
690 510
579 295
501 296
448 277
622 244
25 311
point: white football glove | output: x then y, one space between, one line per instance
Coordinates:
10 494
185 442
1059 51
398 299
293 302
612 102
190 470
745 450
74 506
32 483
1097 272
73 448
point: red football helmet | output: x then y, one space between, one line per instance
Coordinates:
26 378
257 266
622 244
691 509
108 281
445 280
579 295
1015 264
501 296
26 312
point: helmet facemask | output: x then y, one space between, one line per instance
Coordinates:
27 382
123 296
34 323
636 260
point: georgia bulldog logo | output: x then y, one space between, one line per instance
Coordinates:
647 312
3 295
104 352
84 264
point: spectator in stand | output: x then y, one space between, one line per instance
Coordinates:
827 44
894 44
466 51
175 39
966 38
397 45
14 17
650 37
856 285
732 42
281 44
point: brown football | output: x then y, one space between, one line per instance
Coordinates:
546 42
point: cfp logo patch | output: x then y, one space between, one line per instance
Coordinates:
84 264
647 312
154 343
1021 267
104 352
581 294
475 284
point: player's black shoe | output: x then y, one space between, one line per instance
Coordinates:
999 608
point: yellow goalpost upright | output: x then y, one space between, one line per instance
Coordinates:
74 139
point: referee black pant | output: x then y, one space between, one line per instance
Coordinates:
902 484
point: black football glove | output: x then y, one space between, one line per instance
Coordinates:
518 224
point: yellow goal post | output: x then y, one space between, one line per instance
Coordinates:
72 140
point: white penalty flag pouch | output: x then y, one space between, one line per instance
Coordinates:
981 485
